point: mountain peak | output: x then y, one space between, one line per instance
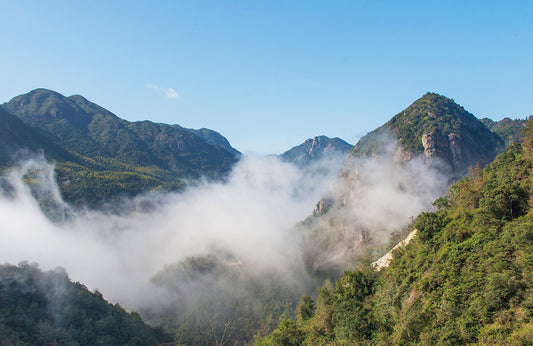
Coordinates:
313 149
441 130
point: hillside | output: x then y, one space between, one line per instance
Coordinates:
448 136
100 156
466 278
15 135
392 174
215 138
314 149
508 129
46 308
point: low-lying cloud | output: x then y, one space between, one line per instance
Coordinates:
249 216
374 197
233 240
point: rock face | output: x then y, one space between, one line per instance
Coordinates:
314 149
384 261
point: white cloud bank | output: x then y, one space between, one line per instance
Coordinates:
249 216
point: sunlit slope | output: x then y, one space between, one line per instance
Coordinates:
108 156
466 278
439 129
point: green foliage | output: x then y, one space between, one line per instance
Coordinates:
215 295
305 309
510 130
467 278
427 225
101 157
45 308
446 122
288 333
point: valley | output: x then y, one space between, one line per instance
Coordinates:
206 243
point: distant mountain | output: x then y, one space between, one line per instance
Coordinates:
101 156
46 308
314 149
215 138
509 130
441 130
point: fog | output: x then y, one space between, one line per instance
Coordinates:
374 197
248 218
234 241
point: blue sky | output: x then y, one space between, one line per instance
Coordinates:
269 74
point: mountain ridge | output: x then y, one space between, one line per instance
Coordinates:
101 153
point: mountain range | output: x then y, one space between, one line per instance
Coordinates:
100 156
482 222
464 279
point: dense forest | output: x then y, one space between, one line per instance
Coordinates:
466 278
100 157
46 308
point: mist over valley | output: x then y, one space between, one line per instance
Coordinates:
208 248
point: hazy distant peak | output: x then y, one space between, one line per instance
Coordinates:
315 148
214 138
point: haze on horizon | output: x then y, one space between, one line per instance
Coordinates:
268 75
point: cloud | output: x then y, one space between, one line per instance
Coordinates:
216 242
168 92
375 197
249 217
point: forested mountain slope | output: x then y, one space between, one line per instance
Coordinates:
46 308
392 174
466 278
100 156
508 129
448 136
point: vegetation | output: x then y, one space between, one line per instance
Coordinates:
448 124
467 278
216 297
101 157
46 308
508 129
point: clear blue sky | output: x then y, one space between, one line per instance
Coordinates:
269 74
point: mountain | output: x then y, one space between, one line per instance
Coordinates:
102 156
436 127
510 130
46 308
392 174
15 135
314 149
215 138
465 278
